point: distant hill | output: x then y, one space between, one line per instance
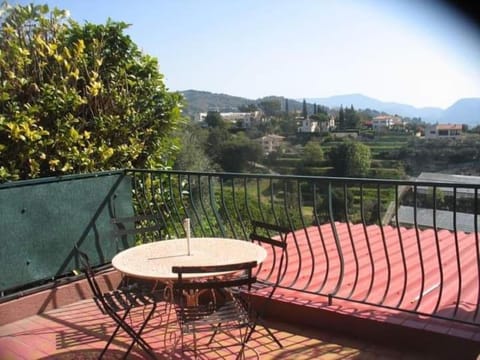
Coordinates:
364 102
203 101
464 111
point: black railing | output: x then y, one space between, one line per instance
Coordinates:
402 245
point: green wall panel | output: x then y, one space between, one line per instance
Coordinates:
40 222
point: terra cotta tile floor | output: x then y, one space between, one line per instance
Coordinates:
79 331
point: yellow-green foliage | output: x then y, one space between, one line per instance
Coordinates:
78 98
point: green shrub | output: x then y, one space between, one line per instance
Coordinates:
78 98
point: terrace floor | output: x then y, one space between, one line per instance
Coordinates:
50 327
64 323
79 331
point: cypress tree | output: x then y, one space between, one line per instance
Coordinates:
341 118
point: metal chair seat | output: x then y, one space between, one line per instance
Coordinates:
224 312
231 314
128 298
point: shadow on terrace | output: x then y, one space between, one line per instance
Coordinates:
394 261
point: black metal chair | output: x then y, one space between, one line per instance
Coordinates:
145 228
266 286
222 311
118 303
149 226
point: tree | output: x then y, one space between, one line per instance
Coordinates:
342 202
287 126
214 119
312 153
270 107
192 155
351 158
78 98
322 109
352 119
304 109
341 118
216 137
248 108
475 129
236 153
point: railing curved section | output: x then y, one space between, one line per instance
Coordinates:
410 246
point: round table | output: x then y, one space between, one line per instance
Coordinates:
154 261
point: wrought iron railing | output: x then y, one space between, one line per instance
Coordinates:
403 245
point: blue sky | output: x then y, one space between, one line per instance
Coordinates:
415 52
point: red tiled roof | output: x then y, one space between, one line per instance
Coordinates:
449 127
397 268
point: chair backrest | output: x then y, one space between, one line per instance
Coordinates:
214 276
92 282
139 224
275 236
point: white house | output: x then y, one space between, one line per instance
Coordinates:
383 122
245 119
444 131
271 143
308 126
311 126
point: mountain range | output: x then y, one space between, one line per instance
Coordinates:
464 111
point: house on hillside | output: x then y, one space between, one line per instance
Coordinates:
271 143
311 125
327 125
383 122
242 119
441 131
308 126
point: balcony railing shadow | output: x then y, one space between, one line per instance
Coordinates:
79 333
89 354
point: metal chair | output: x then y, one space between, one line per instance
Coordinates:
118 303
145 228
149 226
266 287
223 312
